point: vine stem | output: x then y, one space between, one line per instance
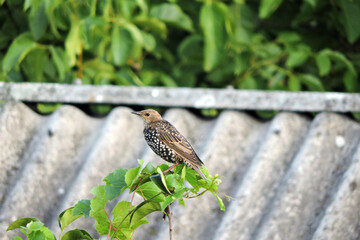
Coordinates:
169 215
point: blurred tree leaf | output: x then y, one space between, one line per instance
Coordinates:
73 42
289 37
267 7
152 24
18 50
191 48
121 43
38 21
350 82
172 14
60 60
323 63
212 20
248 83
351 13
296 58
48 107
312 82
33 64
294 84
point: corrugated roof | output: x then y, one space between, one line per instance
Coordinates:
292 177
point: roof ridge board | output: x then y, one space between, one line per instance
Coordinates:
199 98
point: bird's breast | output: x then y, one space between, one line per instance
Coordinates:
152 139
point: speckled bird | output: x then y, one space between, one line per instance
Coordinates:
167 142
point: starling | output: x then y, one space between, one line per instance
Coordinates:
167 142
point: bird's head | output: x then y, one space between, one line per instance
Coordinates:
149 115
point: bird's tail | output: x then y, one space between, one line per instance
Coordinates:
197 169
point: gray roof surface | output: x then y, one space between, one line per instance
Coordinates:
291 177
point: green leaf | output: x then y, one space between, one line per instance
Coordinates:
312 82
149 41
46 108
356 116
121 43
191 178
38 21
167 201
167 81
341 58
139 213
323 63
294 84
48 234
220 201
35 226
248 83
22 222
149 168
213 24
176 184
151 191
312 3
289 37
182 202
66 217
163 180
37 235
241 63
18 50
296 58
60 61
34 65
191 48
137 40
82 207
17 238
152 24
133 174
121 220
266 114
73 42
97 204
351 13
350 82
172 14
158 180
76 234
267 7
115 183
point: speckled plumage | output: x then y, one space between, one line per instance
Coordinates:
167 142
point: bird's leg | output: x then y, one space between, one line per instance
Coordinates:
170 168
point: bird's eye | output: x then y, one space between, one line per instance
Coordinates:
147 114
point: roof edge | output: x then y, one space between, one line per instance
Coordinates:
200 98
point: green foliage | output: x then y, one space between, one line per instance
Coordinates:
269 44
32 228
156 189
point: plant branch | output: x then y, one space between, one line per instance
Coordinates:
168 213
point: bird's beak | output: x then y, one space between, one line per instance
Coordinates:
136 113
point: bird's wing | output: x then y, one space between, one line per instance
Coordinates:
171 137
